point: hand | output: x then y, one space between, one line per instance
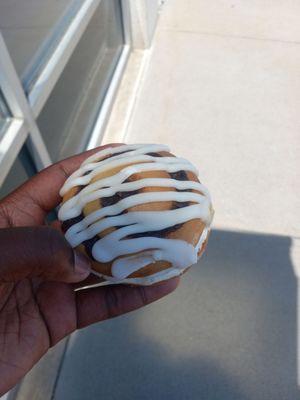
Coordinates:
38 274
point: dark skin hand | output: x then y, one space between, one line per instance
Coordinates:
39 272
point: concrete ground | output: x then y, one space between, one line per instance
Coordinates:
229 332
222 87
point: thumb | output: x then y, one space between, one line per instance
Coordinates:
41 251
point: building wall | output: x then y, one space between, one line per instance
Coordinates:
144 14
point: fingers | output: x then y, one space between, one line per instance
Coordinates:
56 302
55 175
64 310
101 303
39 252
40 194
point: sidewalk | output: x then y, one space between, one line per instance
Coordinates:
222 87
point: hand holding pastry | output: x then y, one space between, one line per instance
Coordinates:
39 271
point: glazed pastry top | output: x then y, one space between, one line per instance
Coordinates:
130 246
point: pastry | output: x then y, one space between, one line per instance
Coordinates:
138 212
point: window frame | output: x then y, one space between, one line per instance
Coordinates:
26 108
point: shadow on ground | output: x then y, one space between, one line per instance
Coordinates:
229 332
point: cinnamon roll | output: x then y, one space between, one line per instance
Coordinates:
138 212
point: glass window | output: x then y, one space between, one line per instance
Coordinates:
4 114
31 29
69 114
22 169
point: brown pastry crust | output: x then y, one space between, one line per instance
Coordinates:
189 231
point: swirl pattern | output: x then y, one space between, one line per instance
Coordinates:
123 205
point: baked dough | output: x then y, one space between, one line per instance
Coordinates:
138 212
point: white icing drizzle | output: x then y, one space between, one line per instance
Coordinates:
145 281
150 279
117 246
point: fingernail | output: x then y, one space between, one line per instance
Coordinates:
81 264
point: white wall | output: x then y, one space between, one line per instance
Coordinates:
144 14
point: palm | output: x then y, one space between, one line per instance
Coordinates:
33 315
24 329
